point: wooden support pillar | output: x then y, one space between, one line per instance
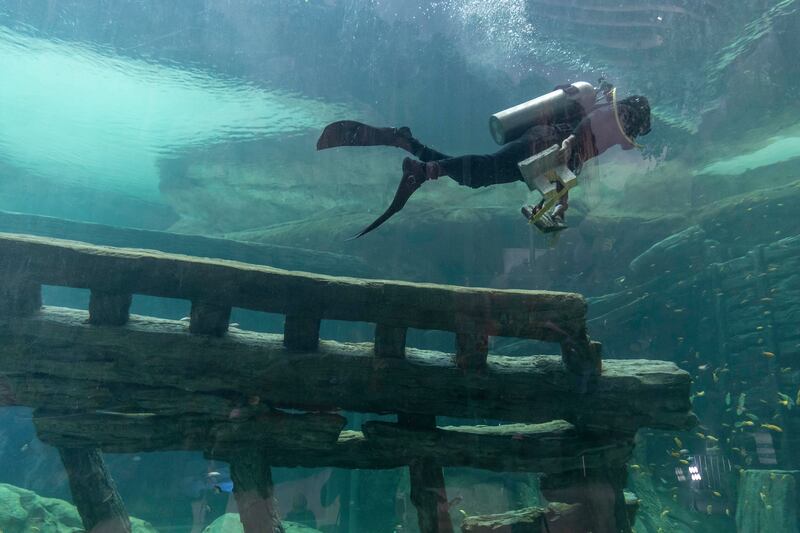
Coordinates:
428 492
600 493
19 298
109 309
582 356
93 491
390 341
301 333
209 319
253 490
472 349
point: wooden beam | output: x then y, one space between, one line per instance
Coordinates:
137 431
315 440
109 309
154 353
555 518
549 316
93 491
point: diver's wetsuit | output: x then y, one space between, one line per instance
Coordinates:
500 167
594 134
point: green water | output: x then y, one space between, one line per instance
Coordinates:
171 122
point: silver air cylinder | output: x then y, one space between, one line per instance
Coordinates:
510 123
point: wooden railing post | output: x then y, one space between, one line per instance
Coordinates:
390 341
19 298
109 309
582 356
209 319
301 333
472 349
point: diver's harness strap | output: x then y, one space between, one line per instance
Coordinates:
619 122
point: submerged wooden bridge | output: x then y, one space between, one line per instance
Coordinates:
135 383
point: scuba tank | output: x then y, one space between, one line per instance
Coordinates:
563 103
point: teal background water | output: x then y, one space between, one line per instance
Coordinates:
200 117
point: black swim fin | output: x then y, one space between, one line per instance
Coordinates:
409 183
352 133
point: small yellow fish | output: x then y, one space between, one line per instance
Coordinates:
748 423
678 442
712 439
717 494
675 454
772 427
664 513
700 435
768 355
700 394
708 509
683 462
636 467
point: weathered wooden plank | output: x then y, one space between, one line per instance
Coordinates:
390 341
153 352
552 447
135 431
93 491
207 318
301 333
515 313
555 518
109 309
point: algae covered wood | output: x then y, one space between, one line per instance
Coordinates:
153 352
516 313
94 492
315 440
555 518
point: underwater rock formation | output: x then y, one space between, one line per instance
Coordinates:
769 500
22 511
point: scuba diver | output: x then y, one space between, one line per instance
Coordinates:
545 142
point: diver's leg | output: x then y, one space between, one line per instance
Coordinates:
501 167
352 133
